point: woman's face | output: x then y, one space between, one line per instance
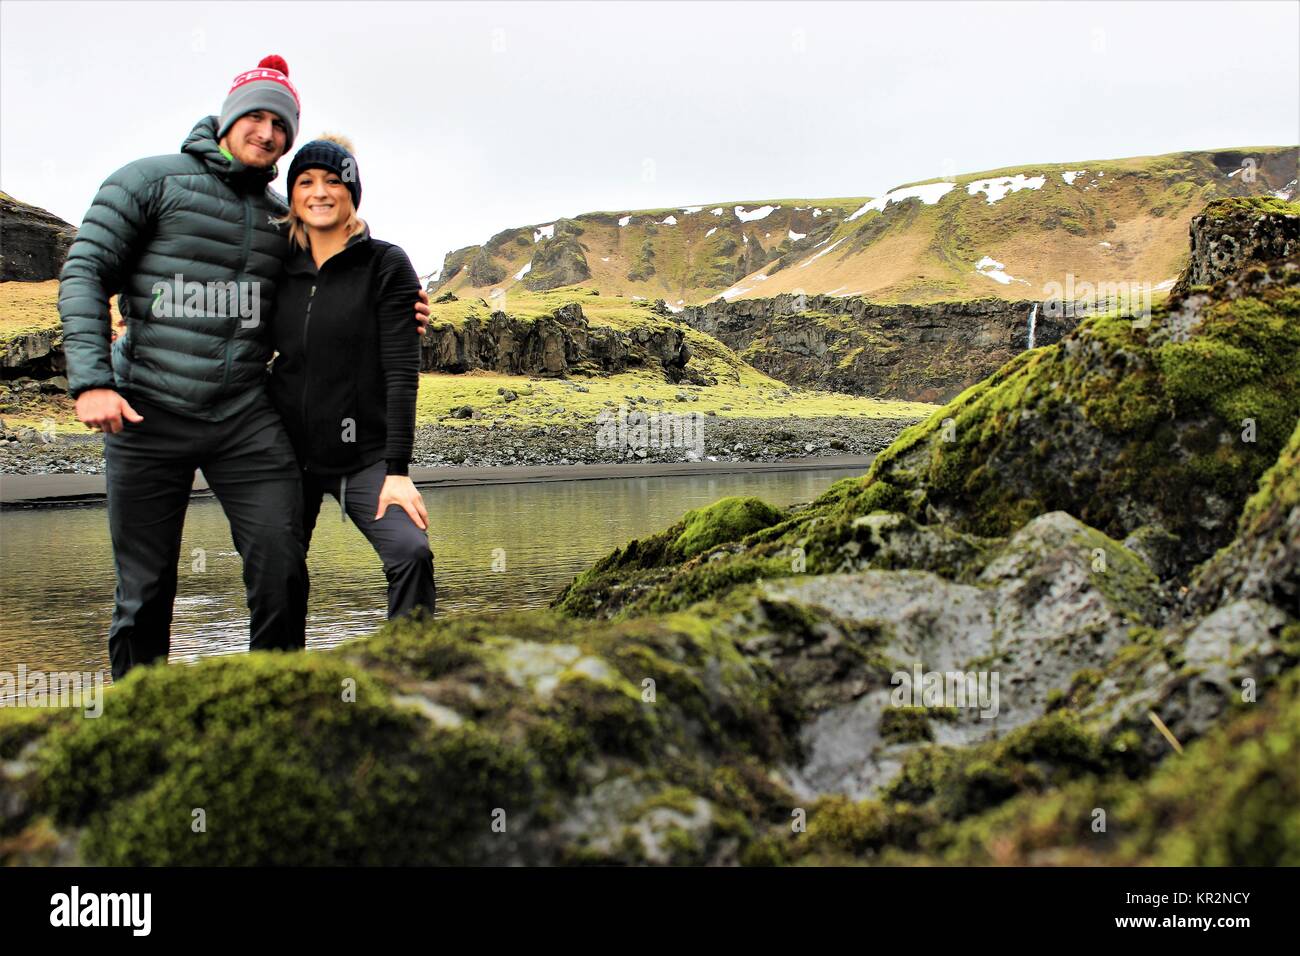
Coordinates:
320 199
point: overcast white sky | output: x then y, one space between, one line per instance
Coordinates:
472 117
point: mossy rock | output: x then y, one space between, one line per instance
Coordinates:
729 519
1263 561
402 749
267 752
1119 424
1230 800
646 563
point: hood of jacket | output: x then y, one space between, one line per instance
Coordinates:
202 143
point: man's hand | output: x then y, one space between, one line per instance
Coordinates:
422 311
400 490
102 410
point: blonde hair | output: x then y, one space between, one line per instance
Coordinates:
298 228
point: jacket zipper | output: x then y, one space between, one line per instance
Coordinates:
239 276
306 327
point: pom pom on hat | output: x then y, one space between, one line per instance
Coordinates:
274 62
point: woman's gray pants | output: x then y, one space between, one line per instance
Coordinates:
401 545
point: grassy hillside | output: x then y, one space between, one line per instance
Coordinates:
1005 232
681 254
740 389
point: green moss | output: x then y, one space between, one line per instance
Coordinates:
905 724
679 799
283 767
614 715
958 783
838 825
1221 208
1232 799
19 726
1169 411
636 567
729 519
1279 489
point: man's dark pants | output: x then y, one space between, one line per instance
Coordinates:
250 466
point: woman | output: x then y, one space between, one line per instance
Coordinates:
347 372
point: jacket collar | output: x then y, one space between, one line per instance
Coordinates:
202 143
301 262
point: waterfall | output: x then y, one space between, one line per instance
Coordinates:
1033 324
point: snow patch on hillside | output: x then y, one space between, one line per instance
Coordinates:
710 232
997 189
812 259
762 212
544 232
624 221
692 209
524 271
929 194
669 221
795 236
990 267
716 212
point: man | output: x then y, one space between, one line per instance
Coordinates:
189 242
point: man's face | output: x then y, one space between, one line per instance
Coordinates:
257 139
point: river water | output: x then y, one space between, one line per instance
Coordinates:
56 572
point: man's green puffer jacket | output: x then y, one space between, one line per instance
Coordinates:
198 344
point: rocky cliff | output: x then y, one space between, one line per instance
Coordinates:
924 353
33 242
555 344
34 354
960 656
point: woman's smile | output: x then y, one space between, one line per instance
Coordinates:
322 199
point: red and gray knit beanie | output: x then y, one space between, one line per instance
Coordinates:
266 88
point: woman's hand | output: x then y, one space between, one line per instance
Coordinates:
422 313
400 490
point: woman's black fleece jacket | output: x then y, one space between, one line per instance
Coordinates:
348 368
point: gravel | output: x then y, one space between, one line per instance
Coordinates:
24 452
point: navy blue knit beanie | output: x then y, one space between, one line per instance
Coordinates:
331 155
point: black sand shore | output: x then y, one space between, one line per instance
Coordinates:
27 491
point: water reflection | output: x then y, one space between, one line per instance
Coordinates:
57 597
